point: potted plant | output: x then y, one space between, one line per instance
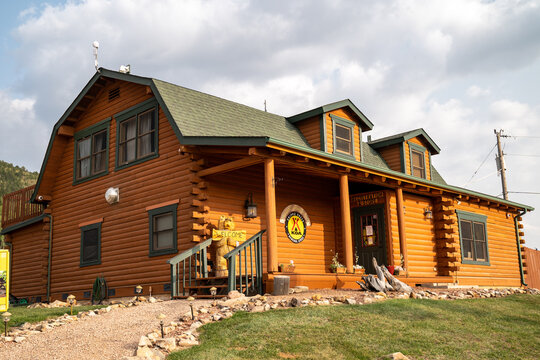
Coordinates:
358 269
290 267
281 267
336 266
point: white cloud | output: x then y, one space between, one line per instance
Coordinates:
476 91
22 136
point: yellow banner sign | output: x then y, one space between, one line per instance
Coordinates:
4 280
234 235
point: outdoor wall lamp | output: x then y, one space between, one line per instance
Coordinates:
251 208
428 214
6 316
71 301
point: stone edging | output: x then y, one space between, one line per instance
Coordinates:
183 334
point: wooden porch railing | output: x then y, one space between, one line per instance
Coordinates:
16 207
248 281
194 267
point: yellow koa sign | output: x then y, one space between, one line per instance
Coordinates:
4 280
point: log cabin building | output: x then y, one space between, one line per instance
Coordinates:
138 172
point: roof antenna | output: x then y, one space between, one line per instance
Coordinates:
95 45
264 105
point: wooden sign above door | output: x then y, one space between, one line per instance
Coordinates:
367 199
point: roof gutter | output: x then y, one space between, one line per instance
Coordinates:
520 260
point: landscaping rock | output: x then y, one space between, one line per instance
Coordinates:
19 339
168 344
144 341
234 294
395 356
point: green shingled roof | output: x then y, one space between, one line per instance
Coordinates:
399 138
201 115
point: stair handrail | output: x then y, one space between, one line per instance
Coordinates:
175 261
190 252
255 240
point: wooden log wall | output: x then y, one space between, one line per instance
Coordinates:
228 192
533 267
447 236
125 260
503 257
29 261
311 129
421 246
392 155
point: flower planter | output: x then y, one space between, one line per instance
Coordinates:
359 271
341 270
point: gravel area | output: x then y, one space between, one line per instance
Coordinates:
111 335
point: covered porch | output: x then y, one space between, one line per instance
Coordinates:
279 178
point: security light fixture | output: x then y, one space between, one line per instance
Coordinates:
428 213
112 195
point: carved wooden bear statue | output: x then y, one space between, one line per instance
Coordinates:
224 245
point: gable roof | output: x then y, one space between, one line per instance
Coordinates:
399 138
364 122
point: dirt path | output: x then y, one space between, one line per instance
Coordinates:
110 335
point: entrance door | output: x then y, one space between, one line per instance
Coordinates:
369 236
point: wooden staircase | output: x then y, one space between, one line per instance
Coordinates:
191 273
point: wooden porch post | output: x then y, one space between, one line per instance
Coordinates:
346 229
401 226
270 203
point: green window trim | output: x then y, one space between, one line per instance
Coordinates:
150 104
157 212
94 129
422 150
84 229
336 120
473 218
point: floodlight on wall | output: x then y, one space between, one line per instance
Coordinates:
125 69
428 213
112 195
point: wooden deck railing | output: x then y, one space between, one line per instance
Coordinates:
16 207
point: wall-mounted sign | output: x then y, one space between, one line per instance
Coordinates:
296 221
367 199
4 280
295 227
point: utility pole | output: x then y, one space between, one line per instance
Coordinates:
500 163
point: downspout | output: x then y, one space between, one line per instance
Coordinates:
519 246
49 258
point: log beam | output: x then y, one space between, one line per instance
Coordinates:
230 166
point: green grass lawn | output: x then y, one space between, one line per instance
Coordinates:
21 314
502 328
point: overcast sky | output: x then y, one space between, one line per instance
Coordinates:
458 69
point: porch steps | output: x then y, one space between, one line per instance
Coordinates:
200 288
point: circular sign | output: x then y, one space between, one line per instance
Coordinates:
295 227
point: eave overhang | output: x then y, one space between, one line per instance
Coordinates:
399 138
365 123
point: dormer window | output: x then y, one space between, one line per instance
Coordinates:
343 139
418 164
343 136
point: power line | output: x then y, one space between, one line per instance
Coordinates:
521 136
524 192
476 172
522 155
